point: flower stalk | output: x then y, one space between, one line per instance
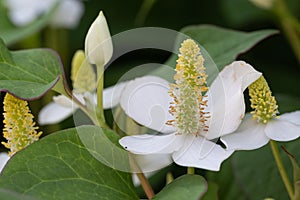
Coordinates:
281 168
99 50
99 110
190 170
143 180
136 168
290 25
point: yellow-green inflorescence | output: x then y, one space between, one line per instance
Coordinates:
82 74
19 128
262 102
187 91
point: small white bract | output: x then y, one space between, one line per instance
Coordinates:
264 124
4 157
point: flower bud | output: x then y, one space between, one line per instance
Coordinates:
98 43
82 74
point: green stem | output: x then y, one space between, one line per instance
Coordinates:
99 109
58 40
296 24
117 120
289 24
169 178
33 41
281 169
144 11
138 171
190 170
84 108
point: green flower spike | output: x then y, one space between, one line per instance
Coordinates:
264 104
187 92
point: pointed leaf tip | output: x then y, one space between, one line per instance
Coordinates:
28 74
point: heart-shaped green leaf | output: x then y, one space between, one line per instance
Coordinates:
220 46
28 74
60 167
190 187
104 146
224 45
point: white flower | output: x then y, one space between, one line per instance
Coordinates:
62 107
253 135
148 101
98 43
4 157
23 12
264 124
68 14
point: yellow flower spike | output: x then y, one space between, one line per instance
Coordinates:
19 127
264 104
77 60
187 92
82 74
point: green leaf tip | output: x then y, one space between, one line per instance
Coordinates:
219 46
296 174
28 74
4 53
224 45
